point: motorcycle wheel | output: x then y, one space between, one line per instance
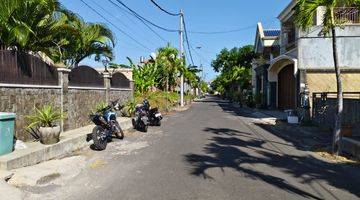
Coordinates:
145 128
99 138
158 123
134 123
119 133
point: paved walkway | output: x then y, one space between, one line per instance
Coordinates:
212 151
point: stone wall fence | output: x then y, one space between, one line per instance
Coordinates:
27 82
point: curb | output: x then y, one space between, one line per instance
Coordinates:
36 152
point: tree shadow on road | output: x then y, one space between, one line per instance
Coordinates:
233 149
229 152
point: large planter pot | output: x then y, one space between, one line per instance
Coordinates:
49 135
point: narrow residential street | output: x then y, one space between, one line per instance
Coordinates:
210 151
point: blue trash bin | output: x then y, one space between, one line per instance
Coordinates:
7 121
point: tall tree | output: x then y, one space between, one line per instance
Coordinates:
235 69
227 59
304 16
83 40
170 65
29 25
46 26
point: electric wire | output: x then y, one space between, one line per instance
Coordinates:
119 29
162 9
116 17
146 20
222 32
187 41
151 29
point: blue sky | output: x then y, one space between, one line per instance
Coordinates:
200 15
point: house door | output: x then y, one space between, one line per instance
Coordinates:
286 88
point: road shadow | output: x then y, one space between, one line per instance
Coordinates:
301 140
230 148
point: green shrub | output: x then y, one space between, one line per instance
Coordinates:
129 108
45 116
98 107
162 100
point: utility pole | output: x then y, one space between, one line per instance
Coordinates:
181 57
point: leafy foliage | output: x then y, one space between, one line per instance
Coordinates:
235 71
162 72
129 108
98 107
46 26
45 116
227 59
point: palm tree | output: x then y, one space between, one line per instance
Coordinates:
94 39
81 40
29 25
170 65
46 26
304 15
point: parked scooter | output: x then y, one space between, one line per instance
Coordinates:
154 116
140 121
106 125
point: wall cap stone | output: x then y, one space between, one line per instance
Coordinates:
5 85
86 88
62 69
106 75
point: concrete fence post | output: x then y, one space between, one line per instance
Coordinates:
64 83
107 85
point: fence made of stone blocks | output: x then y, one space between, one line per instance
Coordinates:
75 101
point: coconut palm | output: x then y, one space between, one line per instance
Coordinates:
169 67
46 26
80 40
304 15
29 25
91 39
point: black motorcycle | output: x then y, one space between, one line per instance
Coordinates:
106 125
154 115
140 121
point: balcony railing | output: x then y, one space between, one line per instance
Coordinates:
348 15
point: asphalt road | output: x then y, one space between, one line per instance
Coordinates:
211 151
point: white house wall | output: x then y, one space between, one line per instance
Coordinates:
316 52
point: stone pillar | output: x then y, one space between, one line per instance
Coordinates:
107 85
63 75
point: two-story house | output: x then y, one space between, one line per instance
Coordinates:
306 58
267 47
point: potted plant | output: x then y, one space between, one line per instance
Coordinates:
45 119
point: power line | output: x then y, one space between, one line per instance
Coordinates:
146 20
222 32
114 16
187 42
137 42
162 9
152 30
200 56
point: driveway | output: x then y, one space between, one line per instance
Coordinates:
211 151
